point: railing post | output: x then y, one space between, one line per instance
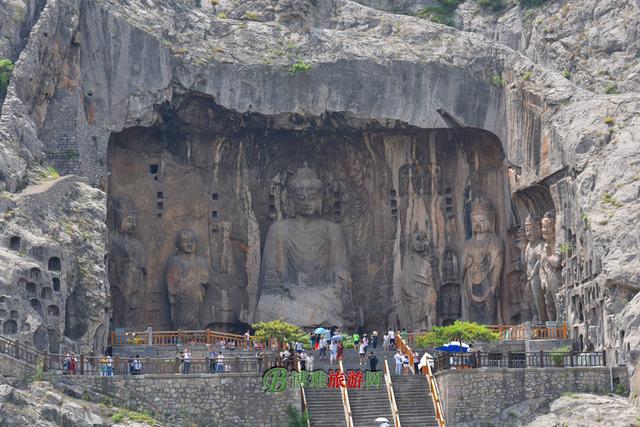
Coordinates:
541 359
45 361
116 363
604 357
82 364
149 336
571 356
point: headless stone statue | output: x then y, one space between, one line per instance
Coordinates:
305 277
483 261
419 294
127 263
450 267
533 259
550 266
187 277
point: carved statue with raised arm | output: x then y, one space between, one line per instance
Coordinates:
187 279
550 266
483 261
304 276
533 260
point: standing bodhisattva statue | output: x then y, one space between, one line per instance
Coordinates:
533 260
483 260
305 277
187 278
550 266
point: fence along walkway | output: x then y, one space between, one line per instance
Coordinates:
85 365
541 359
172 338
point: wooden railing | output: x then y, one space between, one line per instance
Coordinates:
173 338
303 396
348 416
433 386
20 351
541 359
391 395
533 332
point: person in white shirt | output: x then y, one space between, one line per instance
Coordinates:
362 351
186 361
392 339
333 352
310 363
398 359
385 342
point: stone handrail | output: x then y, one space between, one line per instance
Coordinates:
348 416
527 331
391 395
433 386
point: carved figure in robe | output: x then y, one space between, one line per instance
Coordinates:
419 293
483 262
550 265
450 267
187 279
304 276
127 265
533 259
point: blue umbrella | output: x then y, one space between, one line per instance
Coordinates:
320 330
454 347
336 337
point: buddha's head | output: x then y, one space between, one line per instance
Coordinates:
186 241
420 242
482 216
305 189
549 227
532 228
125 216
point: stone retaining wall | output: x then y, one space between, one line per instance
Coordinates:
477 395
220 400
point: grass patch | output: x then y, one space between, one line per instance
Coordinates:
526 76
141 417
443 13
222 15
299 67
49 173
609 121
6 68
566 74
611 88
608 198
532 3
252 16
565 248
497 81
492 5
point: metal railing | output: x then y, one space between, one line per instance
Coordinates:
433 386
348 416
174 338
541 359
530 332
391 395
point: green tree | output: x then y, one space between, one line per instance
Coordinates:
6 67
282 331
465 331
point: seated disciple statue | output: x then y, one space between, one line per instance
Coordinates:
187 277
305 277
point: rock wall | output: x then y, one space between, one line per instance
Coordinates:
475 396
215 400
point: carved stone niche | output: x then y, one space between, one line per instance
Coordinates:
226 175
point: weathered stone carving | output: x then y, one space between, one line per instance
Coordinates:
419 293
483 261
127 263
450 267
550 265
187 279
533 259
305 277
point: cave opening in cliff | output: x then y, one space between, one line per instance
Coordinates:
192 200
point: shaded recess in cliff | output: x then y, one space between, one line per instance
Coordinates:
222 174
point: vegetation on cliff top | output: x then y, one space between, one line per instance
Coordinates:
6 67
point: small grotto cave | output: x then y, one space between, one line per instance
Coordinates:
400 195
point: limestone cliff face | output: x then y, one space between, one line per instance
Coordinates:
91 69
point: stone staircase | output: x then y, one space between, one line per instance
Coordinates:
325 407
414 401
369 404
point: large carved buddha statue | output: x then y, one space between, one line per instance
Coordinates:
305 277
483 260
550 266
533 259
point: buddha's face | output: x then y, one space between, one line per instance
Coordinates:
420 243
128 223
532 231
480 223
187 242
307 199
548 229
